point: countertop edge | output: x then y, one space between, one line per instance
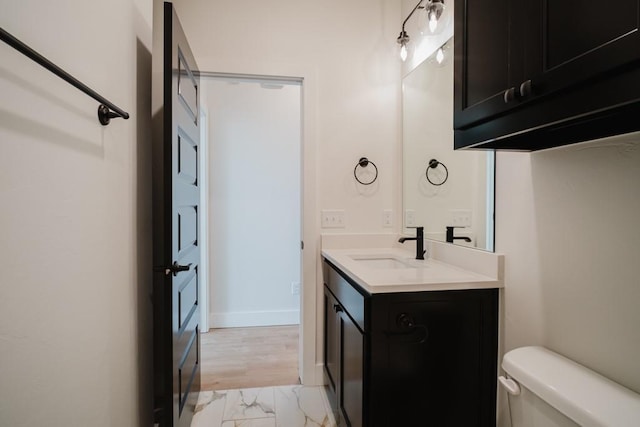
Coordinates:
484 282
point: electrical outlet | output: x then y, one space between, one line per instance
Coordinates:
460 218
387 218
295 288
409 218
332 219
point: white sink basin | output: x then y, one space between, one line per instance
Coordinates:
381 262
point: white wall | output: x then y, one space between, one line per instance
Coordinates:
347 54
254 189
75 237
566 220
348 50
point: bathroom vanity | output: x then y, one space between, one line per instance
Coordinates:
409 342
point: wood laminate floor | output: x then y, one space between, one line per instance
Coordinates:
235 358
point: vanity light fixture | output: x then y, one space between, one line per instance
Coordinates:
403 39
433 10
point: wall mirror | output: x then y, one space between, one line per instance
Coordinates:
442 187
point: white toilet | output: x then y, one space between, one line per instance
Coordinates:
548 390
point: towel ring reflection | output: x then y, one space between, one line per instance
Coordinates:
363 163
433 163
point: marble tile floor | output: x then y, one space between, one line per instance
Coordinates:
282 406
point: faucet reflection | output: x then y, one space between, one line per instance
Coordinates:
451 237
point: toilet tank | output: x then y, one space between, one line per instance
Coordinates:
548 390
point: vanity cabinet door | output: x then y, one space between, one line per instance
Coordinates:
331 344
439 356
351 371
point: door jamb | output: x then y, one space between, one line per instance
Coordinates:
310 371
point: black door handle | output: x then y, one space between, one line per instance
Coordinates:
176 268
337 308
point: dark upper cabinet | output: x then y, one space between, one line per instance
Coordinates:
533 74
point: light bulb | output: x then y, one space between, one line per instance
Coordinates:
433 21
440 56
403 52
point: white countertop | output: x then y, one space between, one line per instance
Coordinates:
431 274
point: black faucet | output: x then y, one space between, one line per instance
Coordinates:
419 242
451 237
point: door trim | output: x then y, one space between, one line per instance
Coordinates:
310 345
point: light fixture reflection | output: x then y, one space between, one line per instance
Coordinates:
440 56
403 40
403 52
434 10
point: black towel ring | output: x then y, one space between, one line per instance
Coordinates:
363 163
433 163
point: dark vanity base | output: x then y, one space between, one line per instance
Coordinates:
410 359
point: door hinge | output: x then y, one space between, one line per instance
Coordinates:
301 245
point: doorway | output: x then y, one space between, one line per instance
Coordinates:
254 194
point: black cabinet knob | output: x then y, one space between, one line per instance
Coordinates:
337 308
509 95
526 89
405 321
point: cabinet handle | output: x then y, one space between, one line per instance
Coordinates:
509 95
337 308
526 89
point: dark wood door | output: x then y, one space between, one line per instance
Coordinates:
176 199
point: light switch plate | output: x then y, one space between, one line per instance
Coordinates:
387 218
295 288
333 218
460 217
409 218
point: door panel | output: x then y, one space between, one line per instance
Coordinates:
176 202
351 371
484 47
572 41
565 36
331 344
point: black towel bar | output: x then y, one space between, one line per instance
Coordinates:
106 111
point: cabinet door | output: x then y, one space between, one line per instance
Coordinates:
570 69
331 339
569 42
441 361
485 45
351 371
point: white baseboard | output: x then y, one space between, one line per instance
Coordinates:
240 319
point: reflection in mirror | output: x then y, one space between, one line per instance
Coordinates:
441 187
